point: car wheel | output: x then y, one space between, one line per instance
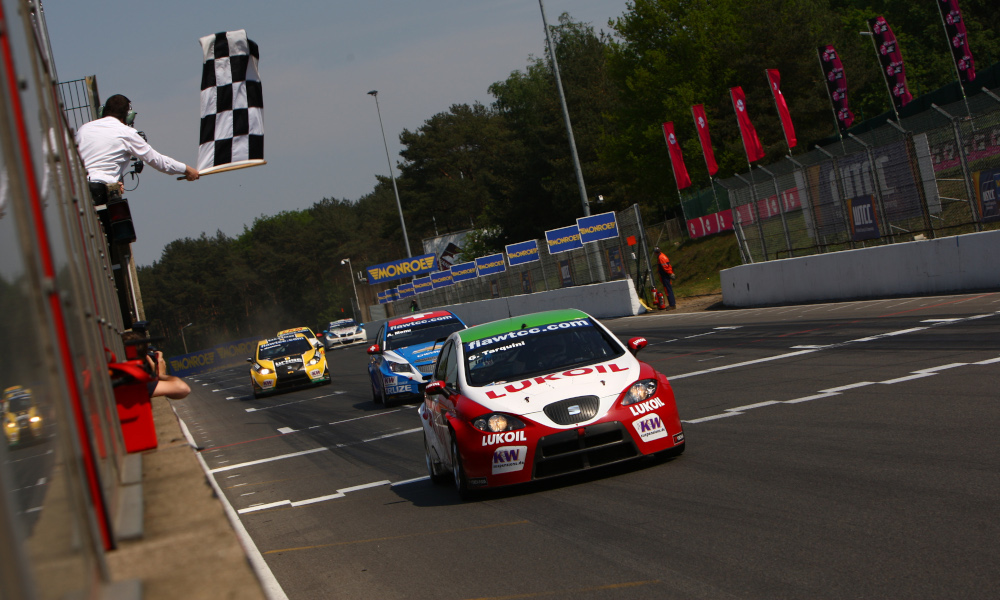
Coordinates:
376 395
458 473
438 475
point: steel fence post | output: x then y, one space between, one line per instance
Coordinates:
966 174
755 211
840 192
876 184
781 211
911 159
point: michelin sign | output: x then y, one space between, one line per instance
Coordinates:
398 269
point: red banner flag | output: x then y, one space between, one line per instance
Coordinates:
751 143
676 157
774 78
701 124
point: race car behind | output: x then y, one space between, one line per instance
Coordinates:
286 362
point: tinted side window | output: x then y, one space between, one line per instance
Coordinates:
451 368
442 367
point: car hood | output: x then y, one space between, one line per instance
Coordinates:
605 380
417 354
344 330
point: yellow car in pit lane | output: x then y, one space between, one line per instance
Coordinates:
287 362
22 421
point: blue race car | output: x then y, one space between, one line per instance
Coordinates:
403 355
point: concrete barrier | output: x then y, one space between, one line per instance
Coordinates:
601 300
946 265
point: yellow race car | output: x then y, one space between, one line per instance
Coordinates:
286 362
22 420
304 331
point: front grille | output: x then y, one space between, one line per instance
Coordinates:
428 368
569 451
297 377
574 410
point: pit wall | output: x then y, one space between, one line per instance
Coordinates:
946 265
601 300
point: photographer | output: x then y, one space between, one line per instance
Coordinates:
107 144
163 384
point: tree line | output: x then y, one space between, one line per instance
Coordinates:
504 170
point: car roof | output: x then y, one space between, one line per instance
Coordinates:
420 317
297 330
281 338
521 322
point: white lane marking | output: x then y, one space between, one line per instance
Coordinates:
850 386
699 335
742 364
240 484
231 476
730 327
248 494
988 361
230 387
713 358
313 451
813 397
388 412
222 462
907 378
284 430
940 320
807 347
337 393
663 342
414 480
941 368
272 589
186 432
231 397
713 417
750 406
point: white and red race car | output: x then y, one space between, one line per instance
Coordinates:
541 395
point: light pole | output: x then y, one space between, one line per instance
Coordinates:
357 303
182 337
391 175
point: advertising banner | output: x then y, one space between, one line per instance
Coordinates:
891 59
751 143
383 297
223 356
710 224
861 212
954 26
597 227
774 78
988 186
563 239
440 279
463 272
422 284
676 157
398 269
836 85
405 291
447 248
522 252
900 195
701 122
489 265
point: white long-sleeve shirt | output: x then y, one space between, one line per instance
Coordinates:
107 144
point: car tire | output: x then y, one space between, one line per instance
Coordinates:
376 395
458 472
435 470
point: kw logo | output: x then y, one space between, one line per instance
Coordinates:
506 456
650 425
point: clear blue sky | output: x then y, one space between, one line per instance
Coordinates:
317 61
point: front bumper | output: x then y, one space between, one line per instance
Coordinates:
311 375
539 452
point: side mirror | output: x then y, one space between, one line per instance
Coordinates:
636 344
374 349
435 387
250 360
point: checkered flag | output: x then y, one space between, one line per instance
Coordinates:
232 104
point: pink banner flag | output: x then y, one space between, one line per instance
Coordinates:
774 78
701 124
676 157
751 143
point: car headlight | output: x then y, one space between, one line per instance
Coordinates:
497 422
265 371
639 392
11 424
35 419
396 367
318 357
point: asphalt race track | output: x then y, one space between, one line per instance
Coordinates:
841 450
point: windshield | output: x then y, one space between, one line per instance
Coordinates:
401 338
284 348
537 351
18 404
